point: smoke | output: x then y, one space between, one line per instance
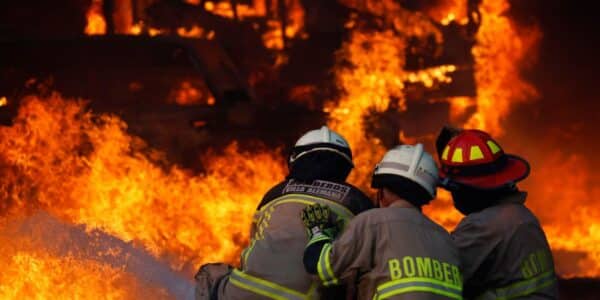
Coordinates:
44 232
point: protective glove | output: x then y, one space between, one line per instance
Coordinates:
319 220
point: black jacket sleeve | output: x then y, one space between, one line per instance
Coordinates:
311 256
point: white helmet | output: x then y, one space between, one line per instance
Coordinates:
323 139
412 163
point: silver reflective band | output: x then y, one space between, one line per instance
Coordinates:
521 288
393 165
416 284
344 155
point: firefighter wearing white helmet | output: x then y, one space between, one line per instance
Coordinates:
391 252
321 154
271 266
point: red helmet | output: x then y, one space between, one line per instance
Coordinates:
474 159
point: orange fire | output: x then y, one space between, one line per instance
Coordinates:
189 94
39 275
501 50
560 189
499 55
224 9
374 77
273 35
449 10
195 32
96 25
86 169
32 271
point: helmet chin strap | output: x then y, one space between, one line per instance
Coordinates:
344 155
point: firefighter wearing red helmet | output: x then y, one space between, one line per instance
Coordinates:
504 251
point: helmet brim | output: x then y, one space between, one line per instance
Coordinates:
515 170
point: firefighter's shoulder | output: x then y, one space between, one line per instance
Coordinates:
357 201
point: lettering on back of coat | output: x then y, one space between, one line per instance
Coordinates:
537 263
319 188
425 267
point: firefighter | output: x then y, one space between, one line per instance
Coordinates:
271 266
391 252
504 251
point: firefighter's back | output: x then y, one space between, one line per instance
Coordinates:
519 263
414 257
271 265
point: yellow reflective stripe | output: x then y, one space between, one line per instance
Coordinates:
475 153
339 209
418 284
416 289
247 251
445 153
419 279
324 267
255 290
328 265
265 288
457 156
522 288
318 238
493 146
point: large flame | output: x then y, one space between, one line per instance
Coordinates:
369 84
31 270
499 54
562 190
87 170
39 275
502 51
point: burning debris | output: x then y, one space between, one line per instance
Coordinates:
381 72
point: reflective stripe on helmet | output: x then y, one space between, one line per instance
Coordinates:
266 288
475 153
410 162
417 284
322 139
344 155
393 165
322 135
457 157
493 146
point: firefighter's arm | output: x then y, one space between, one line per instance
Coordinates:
336 262
321 227
316 219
